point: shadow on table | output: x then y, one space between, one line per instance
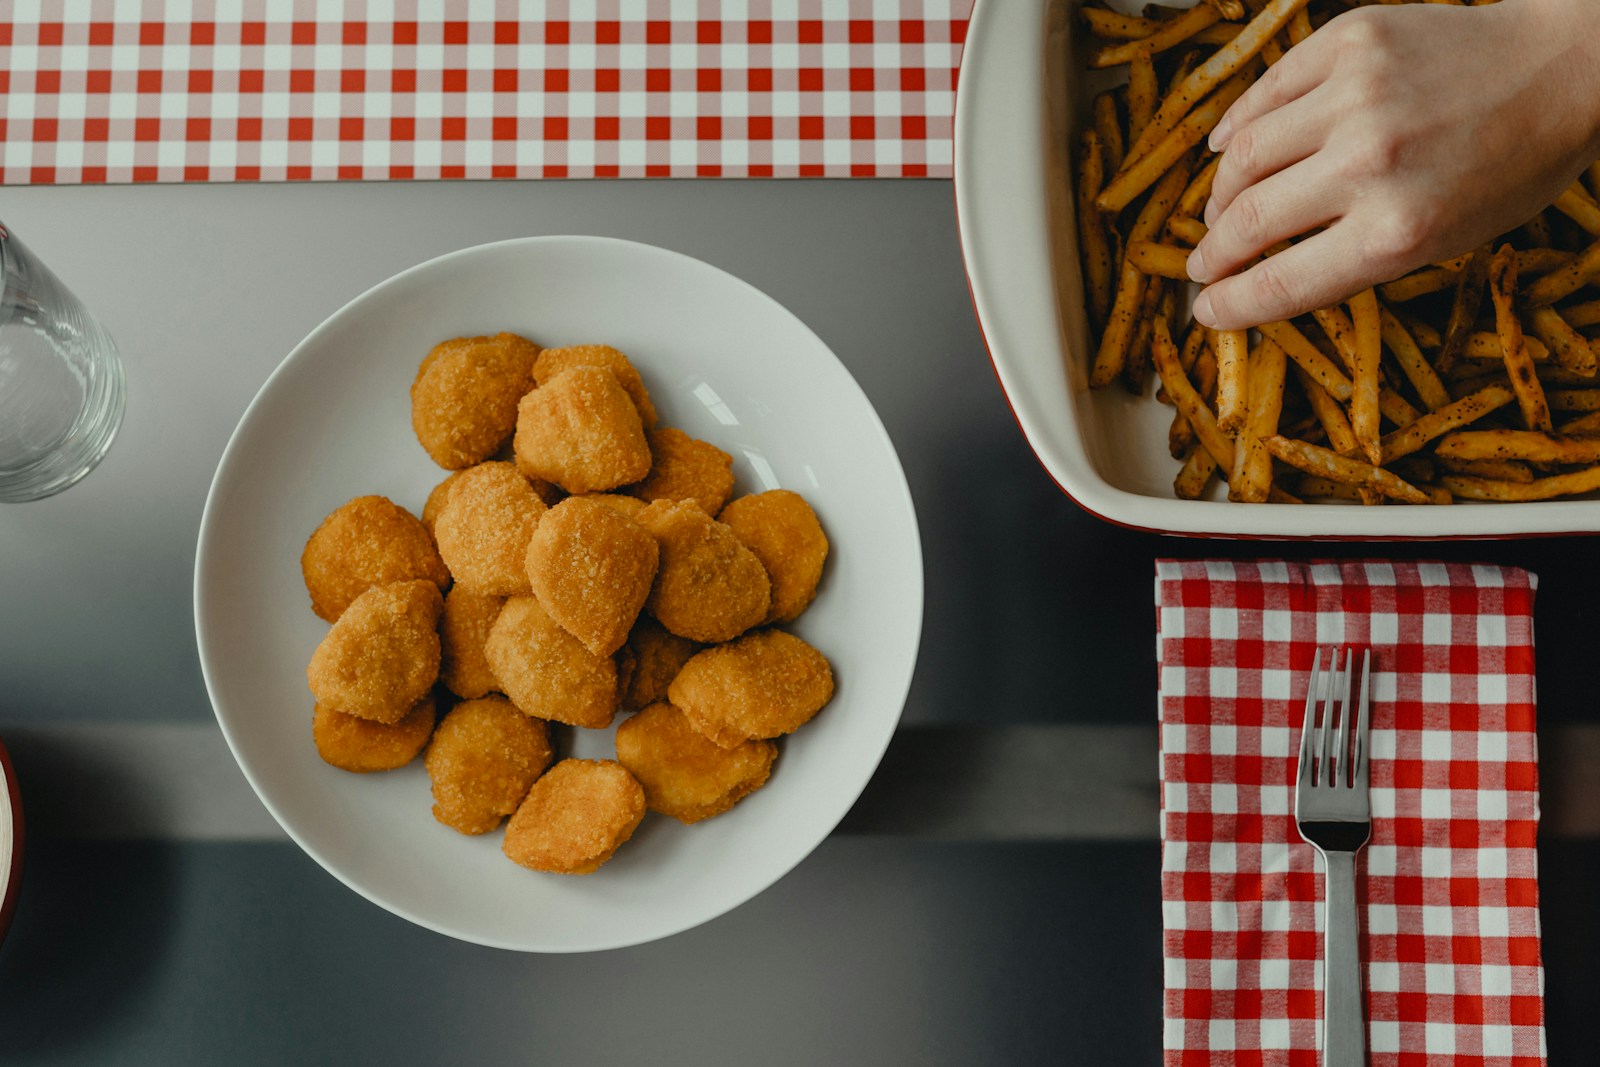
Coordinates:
91 920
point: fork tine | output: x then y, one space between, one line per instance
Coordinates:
1310 723
1364 722
1324 773
1347 704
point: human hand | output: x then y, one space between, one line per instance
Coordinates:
1411 133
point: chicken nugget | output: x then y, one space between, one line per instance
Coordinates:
438 497
352 743
575 817
709 587
591 569
464 398
552 361
685 774
763 685
654 658
626 506
382 656
463 629
783 532
686 468
580 431
485 527
546 671
483 758
369 541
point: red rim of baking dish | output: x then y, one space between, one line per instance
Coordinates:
13 876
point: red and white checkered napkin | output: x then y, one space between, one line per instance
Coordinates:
1449 879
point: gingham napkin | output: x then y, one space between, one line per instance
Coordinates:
1449 881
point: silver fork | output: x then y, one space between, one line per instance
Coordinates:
1334 813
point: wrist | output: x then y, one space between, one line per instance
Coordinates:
1565 38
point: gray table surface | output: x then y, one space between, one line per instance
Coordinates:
993 898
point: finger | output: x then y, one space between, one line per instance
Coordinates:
1282 206
1319 271
1268 145
1303 68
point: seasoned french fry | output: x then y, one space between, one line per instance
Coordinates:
1578 206
1252 473
1501 470
1188 401
1195 475
1137 176
1120 323
1464 310
1583 481
1233 362
1419 283
1221 66
1582 425
1335 423
1482 345
1104 22
1528 445
1319 461
1143 88
1193 200
1573 399
1108 124
1418 371
1137 367
1585 314
1364 372
1167 35
1186 229
1299 26
1093 243
1570 348
1458 413
1164 261
1519 367
1564 280
1300 349
1312 485
1427 335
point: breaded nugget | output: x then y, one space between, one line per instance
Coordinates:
552 361
580 431
654 658
575 817
686 468
626 506
709 587
464 398
783 532
484 757
484 530
763 685
591 569
438 497
463 629
382 656
352 743
684 774
369 541
546 671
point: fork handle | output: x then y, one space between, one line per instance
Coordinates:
1344 1030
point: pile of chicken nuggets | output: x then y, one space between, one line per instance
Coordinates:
578 561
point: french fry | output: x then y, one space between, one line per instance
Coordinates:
1309 358
1188 401
1570 348
1194 477
1426 334
1299 26
1457 413
1419 283
1500 470
1585 314
1193 200
1323 463
1120 324
1252 474
1137 368
1186 229
1093 243
1519 367
1108 124
1364 372
1573 399
1312 485
1104 22
1564 280
1527 445
1483 345
1168 35
1581 425
1164 261
1142 90
1570 484
1233 362
1578 206
1334 422
1221 66
1464 309
1418 371
1137 176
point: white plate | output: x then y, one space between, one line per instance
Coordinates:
1020 102
724 362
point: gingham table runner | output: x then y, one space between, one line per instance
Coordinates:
269 90
1449 879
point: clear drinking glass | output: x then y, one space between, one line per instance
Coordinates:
61 385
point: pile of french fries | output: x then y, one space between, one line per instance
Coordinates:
1418 391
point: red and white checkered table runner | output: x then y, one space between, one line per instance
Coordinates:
270 90
1450 877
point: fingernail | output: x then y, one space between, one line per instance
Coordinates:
1211 212
1202 310
1220 135
1197 266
